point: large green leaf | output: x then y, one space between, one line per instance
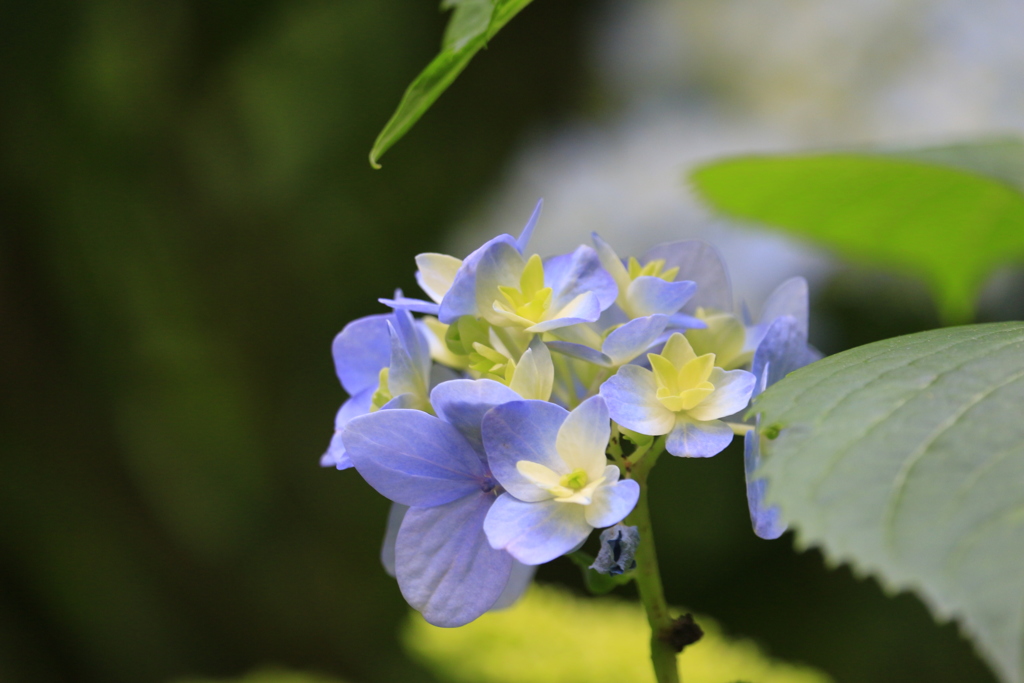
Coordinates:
905 458
949 215
999 158
472 25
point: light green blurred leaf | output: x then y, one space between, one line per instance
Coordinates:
999 158
268 675
905 458
949 215
552 636
473 23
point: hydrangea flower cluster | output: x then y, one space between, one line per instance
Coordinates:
487 420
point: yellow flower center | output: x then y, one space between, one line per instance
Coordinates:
681 375
532 300
653 268
725 336
491 363
575 487
383 393
575 480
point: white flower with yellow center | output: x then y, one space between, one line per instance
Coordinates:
557 480
648 288
683 395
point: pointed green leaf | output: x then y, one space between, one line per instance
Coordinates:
905 458
469 19
948 215
472 25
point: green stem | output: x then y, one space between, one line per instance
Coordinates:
648 580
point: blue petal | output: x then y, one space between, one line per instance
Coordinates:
413 458
789 298
335 454
683 322
634 338
463 402
523 430
445 567
461 298
573 274
527 233
535 533
414 305
648 295
782 350
733 389
612 503
766 520
387 550
519 580
700 262
360 350
690 439
501 265
580 351
404 376
353 407
414 342
632 401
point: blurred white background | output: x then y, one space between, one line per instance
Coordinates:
685 81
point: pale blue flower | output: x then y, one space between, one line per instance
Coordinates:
436 466
790 299
383 361
511 290
684 396
734 338
557 480
648 288
501 285
782 350
437 274
458 295
700 262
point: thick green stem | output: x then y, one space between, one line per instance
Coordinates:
648 579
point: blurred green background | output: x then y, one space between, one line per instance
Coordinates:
187 217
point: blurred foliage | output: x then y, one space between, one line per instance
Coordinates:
551 636
268 676
950 216
472 25
188 219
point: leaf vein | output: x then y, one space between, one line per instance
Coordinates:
838 457
899 484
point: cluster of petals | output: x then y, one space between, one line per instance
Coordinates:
487 419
